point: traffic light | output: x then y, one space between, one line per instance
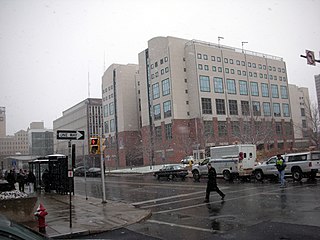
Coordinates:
94 145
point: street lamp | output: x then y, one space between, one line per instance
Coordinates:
243 44
219 40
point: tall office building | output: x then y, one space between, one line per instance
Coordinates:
196 94
317 82
40 139
2 122
301 111
85 116
120 104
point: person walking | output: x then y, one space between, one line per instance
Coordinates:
11 179
281 165
21 180
212 184
31 180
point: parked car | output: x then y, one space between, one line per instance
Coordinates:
187 160
12 230
94 172
79 171
171 171
299 165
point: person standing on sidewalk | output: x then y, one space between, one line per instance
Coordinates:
212 184
281 166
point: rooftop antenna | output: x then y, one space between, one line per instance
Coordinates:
219 40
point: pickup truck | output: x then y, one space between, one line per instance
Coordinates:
299 165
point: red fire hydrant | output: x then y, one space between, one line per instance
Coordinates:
41 215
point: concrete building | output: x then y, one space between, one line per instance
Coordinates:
17 144
3 128
196 94
301 115
120 104
40 139
317 83
85 116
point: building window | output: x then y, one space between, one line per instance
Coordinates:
254 88
206 105
219 69
165 87
239 72
238 62
274 91
155 90
232 71
266 109
285 109
245 110
112 125
166 69
303 112
278 129
157 112
218 85
284 92
205 57
218 59
264 90
167 109
168 130
111 108
220 106
199 56
304 123
243 63
231 86
243 87
204 83
213 58
214 68
200 66
235 128
208 128
106 127
105 110
256 108
226 70
226 60
222 129
158 132
231 61
233 107
206 67
276 110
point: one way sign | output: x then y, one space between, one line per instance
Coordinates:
70 135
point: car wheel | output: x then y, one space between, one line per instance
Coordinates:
312 176
258 174
196 175
297 174
171 177
227 175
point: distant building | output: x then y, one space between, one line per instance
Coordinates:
317 83
2 122
120 104
85 116
40 139
17 144
300 110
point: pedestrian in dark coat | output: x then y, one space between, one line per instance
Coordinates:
212 184
46 180
11 179
21 180
31 180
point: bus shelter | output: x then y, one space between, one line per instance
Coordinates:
56 169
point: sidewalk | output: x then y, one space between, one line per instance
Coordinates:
88 216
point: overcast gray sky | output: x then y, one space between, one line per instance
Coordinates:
48 47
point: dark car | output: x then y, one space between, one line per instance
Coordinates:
12 230
94 172
79 171
171 171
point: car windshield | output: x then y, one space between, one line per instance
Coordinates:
27 232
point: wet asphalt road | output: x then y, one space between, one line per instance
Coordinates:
251 210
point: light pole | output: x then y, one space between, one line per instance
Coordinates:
243 44
219 40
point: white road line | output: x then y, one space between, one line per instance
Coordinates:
183 226
183 200
228 199
166 198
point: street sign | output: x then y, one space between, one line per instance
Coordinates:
310 57
70 135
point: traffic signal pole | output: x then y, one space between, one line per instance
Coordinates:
102 168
